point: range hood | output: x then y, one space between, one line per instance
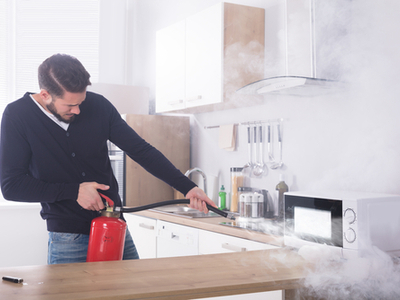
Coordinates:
311 67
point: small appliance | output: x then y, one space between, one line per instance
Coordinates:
350 223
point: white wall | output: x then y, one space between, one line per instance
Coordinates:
347 141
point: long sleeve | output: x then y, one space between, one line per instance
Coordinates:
17 182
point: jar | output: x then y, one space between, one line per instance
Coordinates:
257 206
245 201
241 191
236 182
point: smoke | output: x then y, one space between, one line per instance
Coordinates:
376 275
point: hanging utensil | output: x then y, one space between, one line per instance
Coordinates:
278 128
275 165
247 167
259 168
271 161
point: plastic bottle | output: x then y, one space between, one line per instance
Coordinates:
281 188
222 198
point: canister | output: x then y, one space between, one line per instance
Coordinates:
236 182
257 206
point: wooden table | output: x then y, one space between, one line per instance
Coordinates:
163 278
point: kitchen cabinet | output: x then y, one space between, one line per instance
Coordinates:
170 74
176 240
170 135
201 61
143 231
211 243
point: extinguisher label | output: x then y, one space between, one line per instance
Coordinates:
108 239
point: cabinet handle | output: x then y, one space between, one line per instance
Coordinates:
143 225
233 247
174 236
175 102
195 98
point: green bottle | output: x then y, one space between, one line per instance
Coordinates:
222 198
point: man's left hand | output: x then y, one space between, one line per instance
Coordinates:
199 200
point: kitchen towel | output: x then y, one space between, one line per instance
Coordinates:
227 137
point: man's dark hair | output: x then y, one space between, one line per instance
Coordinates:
62 72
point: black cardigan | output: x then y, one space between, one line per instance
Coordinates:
41 162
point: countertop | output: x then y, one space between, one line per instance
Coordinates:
163 278
213 224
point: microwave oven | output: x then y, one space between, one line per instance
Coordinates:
350 223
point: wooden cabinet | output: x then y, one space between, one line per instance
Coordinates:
202 60
143 231
170 135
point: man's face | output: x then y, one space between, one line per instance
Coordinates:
66 108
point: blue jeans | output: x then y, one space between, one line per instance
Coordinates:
72 248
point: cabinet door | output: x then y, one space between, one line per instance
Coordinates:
176 240
204 53
170 67
143 231
211 242
171 136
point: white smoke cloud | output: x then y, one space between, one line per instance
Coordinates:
376 275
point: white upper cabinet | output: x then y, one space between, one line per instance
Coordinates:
202 60
170 61
204 44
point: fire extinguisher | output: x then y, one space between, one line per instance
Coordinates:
107 232
107 235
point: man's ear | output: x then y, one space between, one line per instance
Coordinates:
45 96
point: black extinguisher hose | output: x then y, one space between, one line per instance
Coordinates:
222 213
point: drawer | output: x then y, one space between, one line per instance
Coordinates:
211 242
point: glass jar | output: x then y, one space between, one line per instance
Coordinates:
236 182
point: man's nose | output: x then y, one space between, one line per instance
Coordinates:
75 110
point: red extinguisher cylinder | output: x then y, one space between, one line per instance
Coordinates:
107 238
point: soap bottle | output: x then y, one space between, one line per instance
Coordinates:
222 198
281 188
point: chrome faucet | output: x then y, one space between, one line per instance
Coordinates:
188 172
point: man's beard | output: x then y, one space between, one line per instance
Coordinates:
51 107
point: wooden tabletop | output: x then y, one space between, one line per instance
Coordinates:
163 278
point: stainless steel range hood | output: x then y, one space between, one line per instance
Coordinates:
312 31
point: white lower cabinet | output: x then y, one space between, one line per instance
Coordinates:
211 242
156 238
176 240
143 231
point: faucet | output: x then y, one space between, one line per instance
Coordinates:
188 172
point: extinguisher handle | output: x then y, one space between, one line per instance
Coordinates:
108 200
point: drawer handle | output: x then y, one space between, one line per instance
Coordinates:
233 247
174 236
180 101
195 98
145 226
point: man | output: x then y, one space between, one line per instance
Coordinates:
53 150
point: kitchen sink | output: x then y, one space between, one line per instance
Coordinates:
184 211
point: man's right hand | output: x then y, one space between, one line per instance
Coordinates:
88 196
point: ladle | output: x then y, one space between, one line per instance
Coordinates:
259 168
271 161
247 167
275 165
